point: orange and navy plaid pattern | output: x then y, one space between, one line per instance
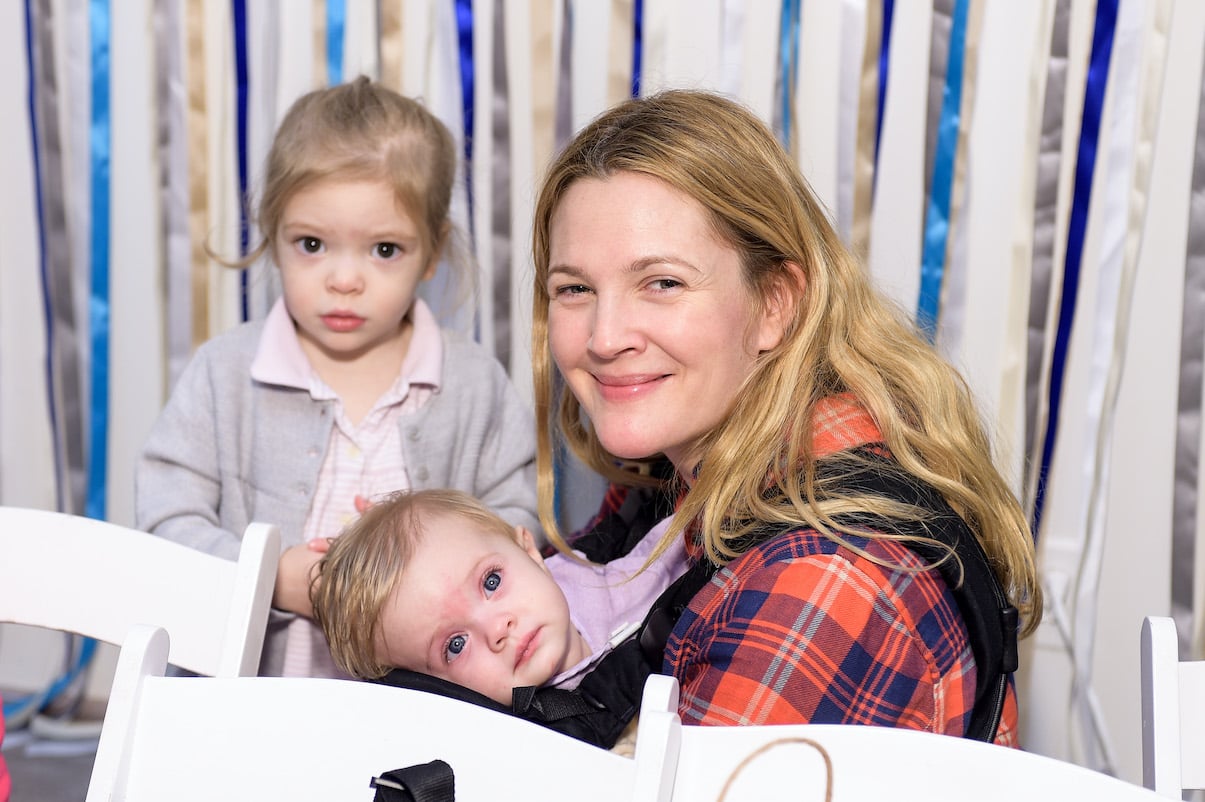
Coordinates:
801 630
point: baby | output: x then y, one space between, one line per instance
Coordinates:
433 581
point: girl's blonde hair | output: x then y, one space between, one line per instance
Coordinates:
356 577
364 131
842 338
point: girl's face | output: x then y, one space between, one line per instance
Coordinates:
350 262
479 609
649 319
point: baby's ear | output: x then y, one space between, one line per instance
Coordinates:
528 541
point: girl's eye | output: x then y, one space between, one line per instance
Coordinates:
386 250
492 581
310 244
455 646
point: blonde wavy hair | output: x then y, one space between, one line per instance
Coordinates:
355 578
842 338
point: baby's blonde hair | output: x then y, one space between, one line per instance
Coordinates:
356 576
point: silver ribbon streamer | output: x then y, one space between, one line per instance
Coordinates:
1188 413
63 349
939 52
1046 191
500 222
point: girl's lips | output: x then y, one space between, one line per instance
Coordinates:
342 322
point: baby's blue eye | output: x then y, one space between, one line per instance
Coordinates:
492 580
455 646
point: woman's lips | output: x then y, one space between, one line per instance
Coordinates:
616 388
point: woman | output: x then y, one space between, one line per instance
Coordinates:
699 308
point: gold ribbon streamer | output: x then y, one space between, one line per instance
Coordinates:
619 64
198 180
868 100
543 85
390 15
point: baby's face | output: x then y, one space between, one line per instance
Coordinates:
478 609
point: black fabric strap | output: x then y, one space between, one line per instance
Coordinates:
426 782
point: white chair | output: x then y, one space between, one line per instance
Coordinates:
301 739
1173 712
98 579
791 763
321 739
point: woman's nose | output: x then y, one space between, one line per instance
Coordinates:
614 328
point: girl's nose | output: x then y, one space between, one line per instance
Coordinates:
344 276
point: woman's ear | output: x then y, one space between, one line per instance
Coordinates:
778 306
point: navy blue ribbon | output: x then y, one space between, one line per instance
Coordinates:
464 39
637 36
884 66
1085 167
239 11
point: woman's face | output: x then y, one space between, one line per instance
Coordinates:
649 319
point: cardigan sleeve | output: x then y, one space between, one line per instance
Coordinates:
177 479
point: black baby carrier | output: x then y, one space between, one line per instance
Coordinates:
608 698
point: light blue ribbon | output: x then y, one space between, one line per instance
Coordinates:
336 21
98 306
937 213
788 58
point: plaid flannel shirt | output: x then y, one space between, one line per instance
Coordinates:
801 630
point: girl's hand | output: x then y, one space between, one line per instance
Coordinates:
294 574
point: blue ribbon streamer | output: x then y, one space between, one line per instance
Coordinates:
937 213
464 39
336 19
43 266
98 307
1085 167
788 55
239 12
884 66
637 36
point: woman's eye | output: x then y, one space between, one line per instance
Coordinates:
387 250
570 290
455 646
310 244
492 581
666 284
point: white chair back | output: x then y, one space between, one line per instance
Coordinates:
1173 712
98 579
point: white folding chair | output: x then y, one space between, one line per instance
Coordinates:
1173 712
97 579
301 739
788 763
